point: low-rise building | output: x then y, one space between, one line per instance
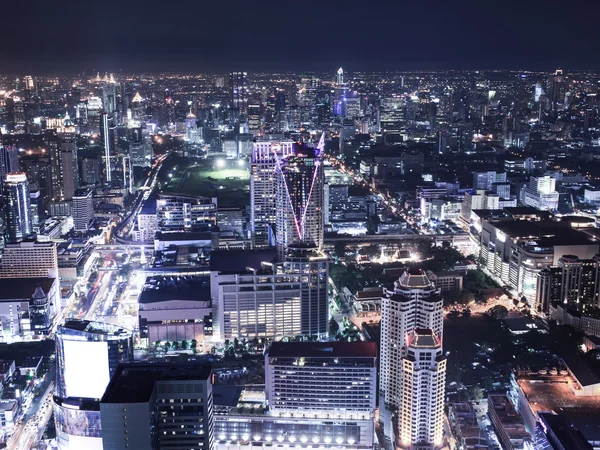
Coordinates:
508 424
446 281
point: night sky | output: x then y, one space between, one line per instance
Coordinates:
223 35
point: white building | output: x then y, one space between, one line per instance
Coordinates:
82 210
485 180
266 158
414 302
541 193
252 296
421 411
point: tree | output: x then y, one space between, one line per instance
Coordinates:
236 343
340 249
175 346
334 327
157 345
184 345
498 312
475 393
167 346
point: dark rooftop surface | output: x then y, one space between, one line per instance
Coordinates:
323 349
546 232
184 236
23 288
565 432
237 261
134 382
224 395
160 289
584 373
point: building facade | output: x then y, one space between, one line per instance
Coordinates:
19 220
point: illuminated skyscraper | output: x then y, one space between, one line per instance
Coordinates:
421 410
9 161
87 355
239 91
106 135
300 199
18 207
69 171
266 156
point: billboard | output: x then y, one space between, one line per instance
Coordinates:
86 368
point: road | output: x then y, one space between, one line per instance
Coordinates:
30 432
124 228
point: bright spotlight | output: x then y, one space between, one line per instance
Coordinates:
220 163
241 162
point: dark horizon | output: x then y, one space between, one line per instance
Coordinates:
188 36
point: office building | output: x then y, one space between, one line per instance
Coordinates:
239 91
517 250
421 410
541 193
573 282
254 296
179 212
305 378
485 180
266 161
19 223
300 199
316 394
158 406
254 119
29 259
107 137
9 161
82 210
52 143
87 356
69 169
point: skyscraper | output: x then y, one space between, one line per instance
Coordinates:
69 172
18 207
9 161
421 410
82 209
52 143
266 156
239 91
157 406
300 198
106 135
87 355
413 304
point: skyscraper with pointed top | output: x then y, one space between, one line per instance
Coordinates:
300 198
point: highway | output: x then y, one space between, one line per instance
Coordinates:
124 228
29 433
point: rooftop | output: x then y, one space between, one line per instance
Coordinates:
323 349
23 288
134 382
424 338
165 288
238 261
564 431
92 327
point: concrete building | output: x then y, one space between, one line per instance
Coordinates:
29 259
254 296
541 193
157 406
19 220
413 302
185 212
421 411
446 281
175 309
517 250
508 424
573 282
485 180
82 210
266 161
556 432
28 307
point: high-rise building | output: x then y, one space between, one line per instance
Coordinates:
69 170
106 134
9 161
414 302
573 282
82 209
485 180
52 143
421 410
29 260
266 159
254 118
300 199
541 193
19 222
253 296
157 406
239 91
87 355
